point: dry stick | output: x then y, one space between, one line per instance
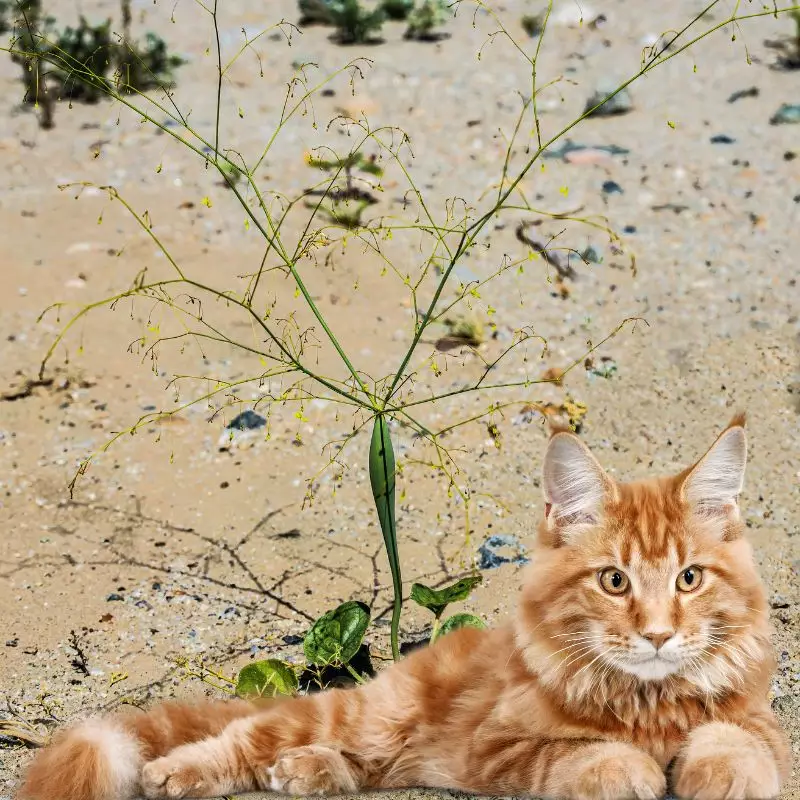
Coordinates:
126 20
36 90
555 259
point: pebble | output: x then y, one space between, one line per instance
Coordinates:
753 91
787 114
86 247
592 255
501 549
575 153
722 138
620 103
612 187
246 421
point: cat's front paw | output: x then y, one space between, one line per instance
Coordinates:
312 770
172 777
615 771
724 762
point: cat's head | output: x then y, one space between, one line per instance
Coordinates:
652 581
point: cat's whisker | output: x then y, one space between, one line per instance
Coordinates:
570 647
583 639
572 657
600 655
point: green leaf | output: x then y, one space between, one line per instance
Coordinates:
266 679
437 600
460 621
336 636
382 481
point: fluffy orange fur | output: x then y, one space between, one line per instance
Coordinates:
639 658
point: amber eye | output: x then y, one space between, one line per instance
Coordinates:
614 581
690 579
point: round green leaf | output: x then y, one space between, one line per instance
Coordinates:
266 679
336 636
437 600
460 621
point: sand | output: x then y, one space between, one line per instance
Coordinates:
172 548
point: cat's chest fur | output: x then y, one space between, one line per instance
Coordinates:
657 716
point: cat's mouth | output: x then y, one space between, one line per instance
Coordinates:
653 667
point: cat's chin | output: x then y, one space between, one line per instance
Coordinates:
652 669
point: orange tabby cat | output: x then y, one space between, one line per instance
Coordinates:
640 655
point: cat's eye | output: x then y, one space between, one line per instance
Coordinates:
614 581
690 579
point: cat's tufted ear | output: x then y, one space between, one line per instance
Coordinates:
575 485
712 486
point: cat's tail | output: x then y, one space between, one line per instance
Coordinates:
102 758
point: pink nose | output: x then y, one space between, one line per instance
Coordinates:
658 639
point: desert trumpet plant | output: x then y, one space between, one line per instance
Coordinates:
289 336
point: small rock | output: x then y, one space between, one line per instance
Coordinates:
592 255
246 421
292 639
612 187
619 103
779 601
607 368
573 152
86 247
787 114
740 94
533 24
722 138
501 549
115 598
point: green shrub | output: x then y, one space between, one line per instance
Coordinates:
344 199
82 58
355 24
146 66
397 10
425 18
315 12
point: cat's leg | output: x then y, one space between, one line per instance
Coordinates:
597 771
568 769
316 770
206 768
723 760
293 743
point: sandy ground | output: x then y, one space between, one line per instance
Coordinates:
172 548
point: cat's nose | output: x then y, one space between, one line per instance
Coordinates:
658 638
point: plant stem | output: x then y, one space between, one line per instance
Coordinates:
435 630
382 481
358 678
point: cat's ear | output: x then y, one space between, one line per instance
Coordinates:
712 486
575 485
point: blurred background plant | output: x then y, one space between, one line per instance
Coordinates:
346 194
354 23
397 10
425 18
